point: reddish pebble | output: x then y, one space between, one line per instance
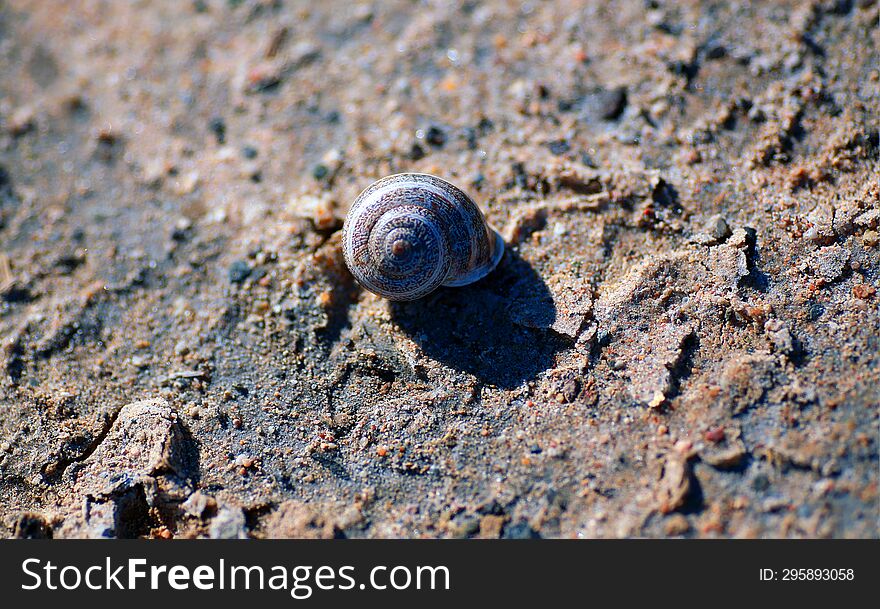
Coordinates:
714 435
863 291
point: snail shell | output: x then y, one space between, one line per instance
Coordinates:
409 233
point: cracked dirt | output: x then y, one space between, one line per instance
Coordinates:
681 340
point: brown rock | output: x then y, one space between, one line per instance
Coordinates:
674 485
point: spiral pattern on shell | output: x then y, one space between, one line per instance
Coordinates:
407 234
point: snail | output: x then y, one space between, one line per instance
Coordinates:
409 233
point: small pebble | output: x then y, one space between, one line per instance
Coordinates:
863 291
239 271
321 210
718 228
218 128
559 147
164 533
761 482
611 104
676 524
714 435
657 400
520 530
21 121
320 171
570 389
416 152
435 136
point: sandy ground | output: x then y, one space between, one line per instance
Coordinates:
682 338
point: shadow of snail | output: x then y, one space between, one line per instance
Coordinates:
491 329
